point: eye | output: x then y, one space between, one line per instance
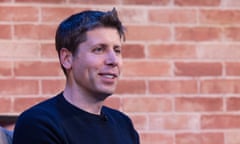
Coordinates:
118 50
98 50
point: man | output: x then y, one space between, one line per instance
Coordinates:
89 50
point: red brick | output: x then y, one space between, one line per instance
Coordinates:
193 104
233 68
21 104
52 86
35 32
19 50
233 104
113 102
147 104
232 137
232 33
232 3
131 87
94 2
197 2
222 17
155 138
57 14
173 51
48 50
18 13
175 16
17 86
6 52
5 105
37 68
146 68
148 33
41 1
200 138
5 1
198 69
6 68
221 121
220 86
146 2
26 50
132 15
172 86
6 32
198 34
133 51
219 51
173 122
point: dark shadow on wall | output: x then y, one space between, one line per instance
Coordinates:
8 121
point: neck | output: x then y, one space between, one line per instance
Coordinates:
83 101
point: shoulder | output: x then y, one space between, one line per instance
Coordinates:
46 106
38 124
42 113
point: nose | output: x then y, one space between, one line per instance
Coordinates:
112 59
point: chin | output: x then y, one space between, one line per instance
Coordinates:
105 94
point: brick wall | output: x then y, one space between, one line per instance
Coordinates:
181 80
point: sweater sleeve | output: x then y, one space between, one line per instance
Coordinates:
36 127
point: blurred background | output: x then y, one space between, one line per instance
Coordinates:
181 78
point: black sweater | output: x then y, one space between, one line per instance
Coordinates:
55 121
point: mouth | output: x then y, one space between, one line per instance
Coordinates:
109 75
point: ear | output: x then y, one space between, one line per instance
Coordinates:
66 58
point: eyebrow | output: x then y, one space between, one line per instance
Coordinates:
105 45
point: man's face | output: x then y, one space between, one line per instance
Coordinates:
97 63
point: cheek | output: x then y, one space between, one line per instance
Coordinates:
80 65
93 65
94 61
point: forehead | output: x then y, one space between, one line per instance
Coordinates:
103 34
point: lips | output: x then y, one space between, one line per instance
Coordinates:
108 75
